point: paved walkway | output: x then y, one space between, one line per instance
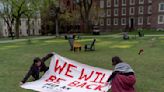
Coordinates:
121 35
19 40
49 37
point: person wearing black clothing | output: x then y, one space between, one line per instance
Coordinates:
37 67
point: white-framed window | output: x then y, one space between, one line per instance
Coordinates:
161 19
102 22
115 21
108 12
116 3
148 20
115 12
123 21
108 3
101 3
132 10
141 1
140 20
123 11
141 10
161 7
108 21
149 9
123 2
132 2
150 1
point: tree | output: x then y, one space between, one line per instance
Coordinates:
7 14
46 18
33 10
19 9
85 8
68 18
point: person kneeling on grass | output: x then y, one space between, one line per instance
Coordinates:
122 78
37 67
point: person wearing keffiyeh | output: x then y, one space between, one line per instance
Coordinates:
123 76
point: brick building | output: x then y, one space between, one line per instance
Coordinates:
131 14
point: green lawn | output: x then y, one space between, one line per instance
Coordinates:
15 59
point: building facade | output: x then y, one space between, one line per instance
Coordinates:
23 30
131 14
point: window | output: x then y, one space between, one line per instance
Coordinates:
115 12
149 9
115 2
123 21
141 9
115 21
102 4
149 1
140 21
123 2
132 10
102 22
161 19
123 11
108 21
108 3
108 12
148 20
161 7
141 1
132 2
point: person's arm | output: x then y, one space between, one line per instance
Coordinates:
112 76
29 73
47 57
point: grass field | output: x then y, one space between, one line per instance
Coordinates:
15 59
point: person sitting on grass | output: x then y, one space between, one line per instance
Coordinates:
37 67
122 78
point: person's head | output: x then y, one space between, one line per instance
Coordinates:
37 61
116 60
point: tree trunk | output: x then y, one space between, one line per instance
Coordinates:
10 32
17 27
29 27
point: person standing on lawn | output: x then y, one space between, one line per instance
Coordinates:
123 77
37 67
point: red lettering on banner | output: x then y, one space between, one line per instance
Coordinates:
85 76
73 84
51 78
58 67
99 88
69 70
82 85
54 79
98 74
86 85
102 78
89 86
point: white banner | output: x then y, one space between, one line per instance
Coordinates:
65 75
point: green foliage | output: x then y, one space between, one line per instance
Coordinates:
68 17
